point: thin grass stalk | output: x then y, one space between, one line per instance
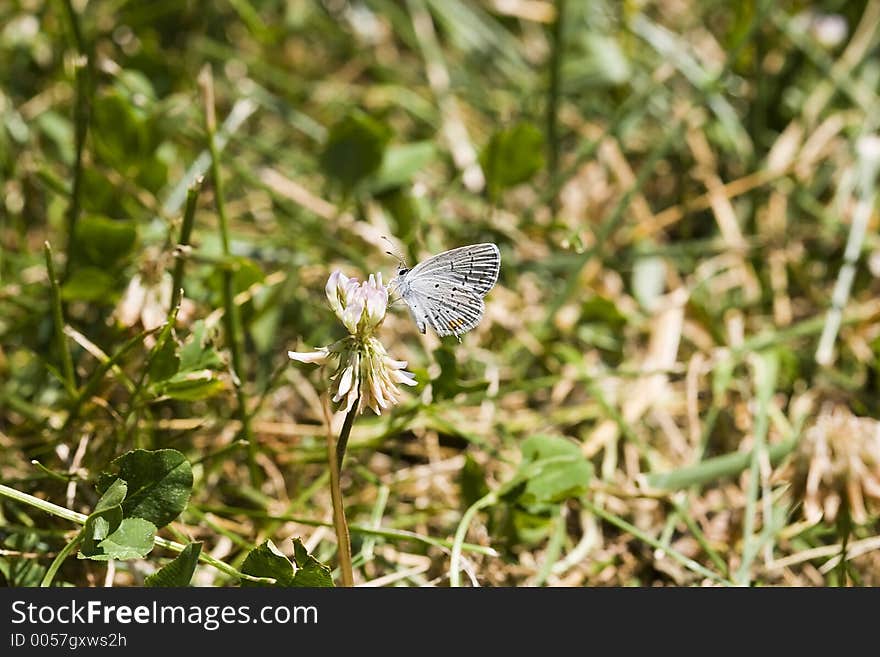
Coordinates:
553 93
867 166
766 367
728 465
81 114
58 324
687 562
189 214
381 532
844 531
231 316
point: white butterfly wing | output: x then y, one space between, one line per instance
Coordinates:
448 310
447 290
473 268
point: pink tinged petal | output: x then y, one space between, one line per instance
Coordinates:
335 284
377 302
351 316
350 291
320 356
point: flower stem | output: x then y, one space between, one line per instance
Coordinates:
335 455
344 434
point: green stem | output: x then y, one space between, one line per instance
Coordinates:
231 316
461 531
81 112
58 321
189 215
59 559
766 367
342 444
554 546
335 454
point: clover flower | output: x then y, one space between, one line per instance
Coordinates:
364 371
148 295
837 464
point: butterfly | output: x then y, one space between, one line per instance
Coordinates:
446 291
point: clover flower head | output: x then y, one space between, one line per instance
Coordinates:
837 464
365 373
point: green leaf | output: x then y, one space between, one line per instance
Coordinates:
88 284
120 134
511 157
266 560
179 571
354 149
197 352
400 164
530 527
159 484
166 361
192 386
105 241
133 539
554 470
309 571
105 518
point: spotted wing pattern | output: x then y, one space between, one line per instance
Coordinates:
474 268
446 291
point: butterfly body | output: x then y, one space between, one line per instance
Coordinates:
446 291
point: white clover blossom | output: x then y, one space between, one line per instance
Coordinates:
365 371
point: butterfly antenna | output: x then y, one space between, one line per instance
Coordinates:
394 253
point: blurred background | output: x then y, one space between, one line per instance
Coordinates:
684 197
